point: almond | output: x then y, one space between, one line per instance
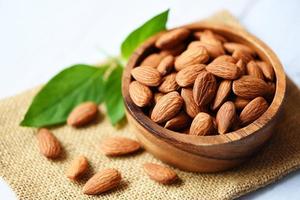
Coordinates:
48 144
240 103
167 107
157 96
188 75
202 124
249 87
204 89
231 47
172 38
267 70
160 173
169 84
190 57
118 146
224 58
253 110
82 114
175 51
102 181
77 167
226 116
197 35
213 50
244 55
222 93
254 70
208 37
146 75
224 70
166 65
178 122
190 106
152 60
242 66
140 94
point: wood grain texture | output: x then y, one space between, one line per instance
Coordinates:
207 153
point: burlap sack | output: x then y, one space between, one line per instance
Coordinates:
32 176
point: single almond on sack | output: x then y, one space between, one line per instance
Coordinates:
267 70
159 173
118 146
78 167
166 65
175 51
157 96
249 87
172 38
242 66
83 114
244 55
223 91
48 144
204 89
169 84
102 181
167 107
254 70
225 117
224 58
253 110
152 60
188 75
140 94
191 56
224 70
146 75
240 103
190 106
213 50
178 122
232 46
202 124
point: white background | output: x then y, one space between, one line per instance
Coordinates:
38 38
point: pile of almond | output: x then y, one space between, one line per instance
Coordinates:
200 83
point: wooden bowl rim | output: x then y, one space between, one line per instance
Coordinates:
184 139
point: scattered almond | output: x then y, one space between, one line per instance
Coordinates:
226 116
118 146
202 124
160 173
48 144
224 70
83 114
78 167
253 110
188 75
222 93
146 75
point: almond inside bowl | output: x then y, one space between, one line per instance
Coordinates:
209 153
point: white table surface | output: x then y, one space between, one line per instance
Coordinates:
40 38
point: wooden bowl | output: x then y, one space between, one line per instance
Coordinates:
205 153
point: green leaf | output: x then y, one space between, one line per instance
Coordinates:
113 96
63 92
135 38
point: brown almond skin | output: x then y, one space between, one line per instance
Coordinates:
166 65
169 84
202 124
118 146
240 103
224 58
208 37
140 94
249 87
204 89
225 117
167 107
267 70
153 60
254 70
157 96
146 75
172 38
231 47
83 114
191 56
175 51
178 122
225 70
223 91
213 50
242 66
159 173
78 167
253 110
188 75
102 181
48 144
244 55
190 106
